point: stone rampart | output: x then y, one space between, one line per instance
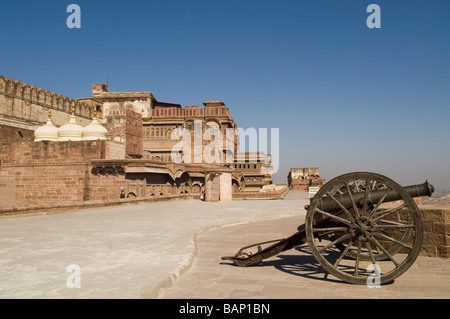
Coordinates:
436 232
26 106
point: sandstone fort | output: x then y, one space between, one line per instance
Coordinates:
117 145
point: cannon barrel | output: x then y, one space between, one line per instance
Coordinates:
329 205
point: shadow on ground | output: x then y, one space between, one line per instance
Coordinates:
303 265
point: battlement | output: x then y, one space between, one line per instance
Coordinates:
29 105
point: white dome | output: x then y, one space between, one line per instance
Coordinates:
47 132
95 131
70 131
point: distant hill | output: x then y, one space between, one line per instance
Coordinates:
439 198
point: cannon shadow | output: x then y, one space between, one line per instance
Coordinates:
303 265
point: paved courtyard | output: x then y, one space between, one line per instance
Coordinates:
118 252
173 250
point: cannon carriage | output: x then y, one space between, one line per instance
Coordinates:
358 225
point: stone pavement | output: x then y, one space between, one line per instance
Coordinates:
174 249
293 274
118 252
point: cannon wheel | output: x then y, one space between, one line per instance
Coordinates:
367 242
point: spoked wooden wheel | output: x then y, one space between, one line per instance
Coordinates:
363 226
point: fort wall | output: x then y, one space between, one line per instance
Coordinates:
135 161
436 232
56 172
26 106
16 134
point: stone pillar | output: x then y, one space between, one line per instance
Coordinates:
218 186
225 187
212 187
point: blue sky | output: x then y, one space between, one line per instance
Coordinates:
345 97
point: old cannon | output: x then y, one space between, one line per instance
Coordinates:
357 225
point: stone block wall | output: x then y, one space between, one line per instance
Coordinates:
51 152
15 134
115 150
105 187
299 184
436 231
126 127
56 172
41 184
133 131
436 228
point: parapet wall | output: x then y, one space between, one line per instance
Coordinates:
275 194
46 208
48 173
26 106
436 231
45 152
